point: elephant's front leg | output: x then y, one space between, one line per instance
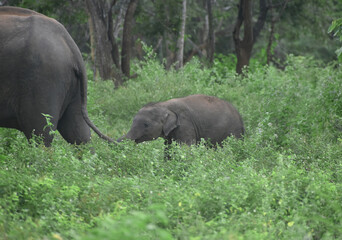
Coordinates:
186 134
167 149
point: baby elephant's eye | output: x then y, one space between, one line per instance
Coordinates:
146 125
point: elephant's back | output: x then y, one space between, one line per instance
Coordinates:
7 10
215 114
213 117
208 104
32 44
17 22
24 30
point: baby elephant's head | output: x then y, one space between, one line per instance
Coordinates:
150 123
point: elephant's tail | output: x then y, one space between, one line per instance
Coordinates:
83 85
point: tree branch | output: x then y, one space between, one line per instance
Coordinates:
261 19
248 25
236 31
115 49
127 38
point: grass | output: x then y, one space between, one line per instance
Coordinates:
283 181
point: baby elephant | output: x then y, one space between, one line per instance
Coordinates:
186 120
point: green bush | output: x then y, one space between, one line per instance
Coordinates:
282 181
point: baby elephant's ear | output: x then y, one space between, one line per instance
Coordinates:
170 123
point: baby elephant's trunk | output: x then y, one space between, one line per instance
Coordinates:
128 136
120 139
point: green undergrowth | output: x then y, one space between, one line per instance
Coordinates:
282 181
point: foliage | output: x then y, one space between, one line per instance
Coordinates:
336 28
283 181
301 28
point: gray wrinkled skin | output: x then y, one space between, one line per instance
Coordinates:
41 71
186 120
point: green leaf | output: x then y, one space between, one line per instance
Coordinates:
339 51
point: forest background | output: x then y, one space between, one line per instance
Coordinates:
111 32
283 181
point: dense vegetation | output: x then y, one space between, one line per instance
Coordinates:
283 181
300 27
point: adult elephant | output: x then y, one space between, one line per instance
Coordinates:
187 120
42 72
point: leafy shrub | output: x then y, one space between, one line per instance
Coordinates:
282 181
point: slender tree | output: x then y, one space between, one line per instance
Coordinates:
274 20
180 42
211 34
127 38
112 34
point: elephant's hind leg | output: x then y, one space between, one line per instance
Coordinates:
34 123
72 126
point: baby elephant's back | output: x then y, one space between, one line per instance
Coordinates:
216 119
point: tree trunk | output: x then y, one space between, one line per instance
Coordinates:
92 47
180 42
244 47
263 9
127 38
170 55
270 42
167 41
103 59
211 35
110 32
106 50
272 32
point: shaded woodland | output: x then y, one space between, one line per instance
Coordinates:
283 181
112 32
